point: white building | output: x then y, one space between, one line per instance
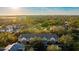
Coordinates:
9 28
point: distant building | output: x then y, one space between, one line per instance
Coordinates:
9 28
48 36
2 30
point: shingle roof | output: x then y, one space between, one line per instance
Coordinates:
40 35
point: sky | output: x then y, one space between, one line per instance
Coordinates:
39 10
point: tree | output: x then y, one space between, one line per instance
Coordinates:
66 39
45 24
33 40
76 46
53 48
61 30
38 44
6 38
74 23
58 30
53 29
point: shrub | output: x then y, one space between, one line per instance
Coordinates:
66 39
6 38
53 48
76 46
38 44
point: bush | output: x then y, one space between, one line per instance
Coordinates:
38 44
35 39
76 46
53 48
66 39
6 38
57 29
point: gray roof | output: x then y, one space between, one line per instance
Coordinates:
40 35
